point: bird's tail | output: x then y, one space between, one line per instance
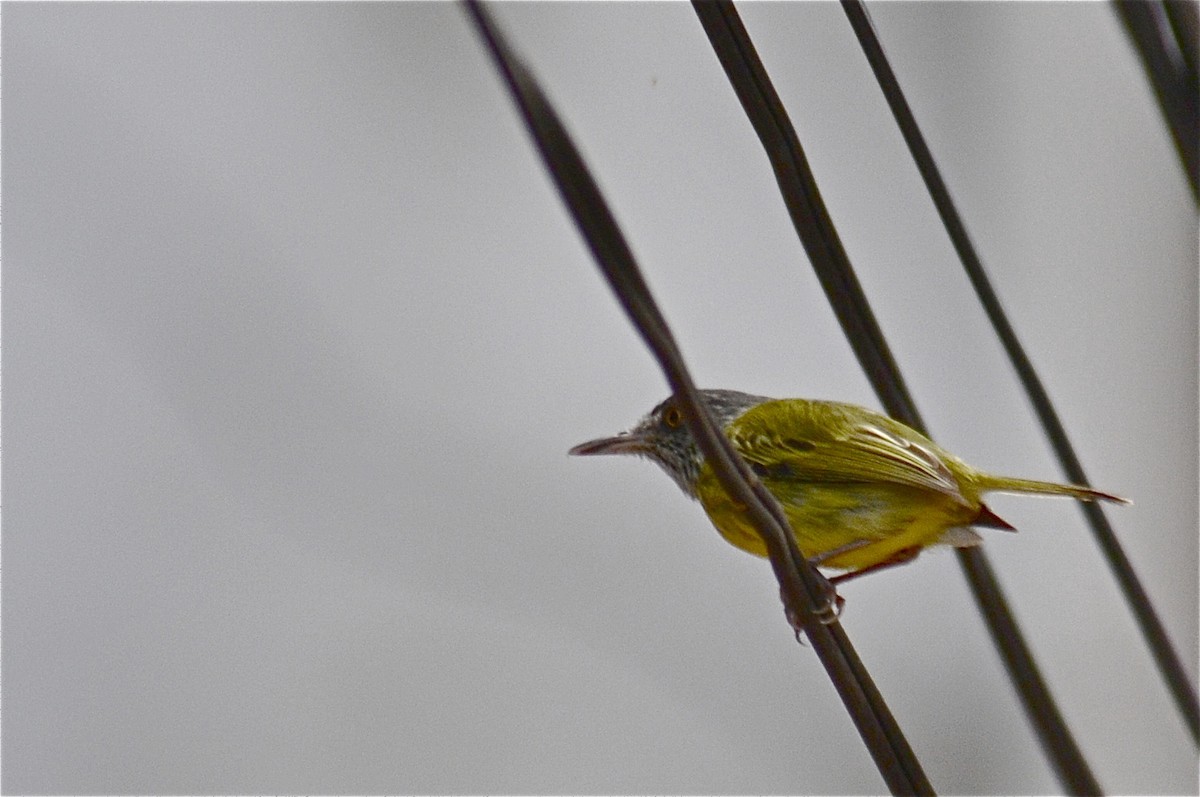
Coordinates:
1004 484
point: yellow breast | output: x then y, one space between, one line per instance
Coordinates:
846 526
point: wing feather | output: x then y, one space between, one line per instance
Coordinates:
818 441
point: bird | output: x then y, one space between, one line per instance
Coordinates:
861 491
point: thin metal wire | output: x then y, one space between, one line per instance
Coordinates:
811 219
802 586
1169 663
1184 16
1164 36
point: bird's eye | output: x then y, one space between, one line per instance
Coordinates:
672 417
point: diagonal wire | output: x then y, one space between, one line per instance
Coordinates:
1164 35
801 585
1184 18
1169 663
750 81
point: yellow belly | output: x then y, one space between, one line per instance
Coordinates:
872 522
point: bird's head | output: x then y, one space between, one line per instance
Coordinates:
663 436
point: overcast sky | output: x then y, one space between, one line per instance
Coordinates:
298 335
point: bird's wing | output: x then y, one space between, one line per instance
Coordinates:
811 441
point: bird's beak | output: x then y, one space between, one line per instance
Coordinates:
624 443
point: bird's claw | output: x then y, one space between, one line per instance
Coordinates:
827 613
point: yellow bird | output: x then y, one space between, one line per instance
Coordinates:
861 491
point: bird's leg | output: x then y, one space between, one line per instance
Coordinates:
898 558
831 607
827 612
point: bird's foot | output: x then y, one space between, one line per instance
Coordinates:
826 613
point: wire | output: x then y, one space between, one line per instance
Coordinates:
801 585
798 186
1153 631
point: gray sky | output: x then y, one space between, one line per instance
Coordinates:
298 335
